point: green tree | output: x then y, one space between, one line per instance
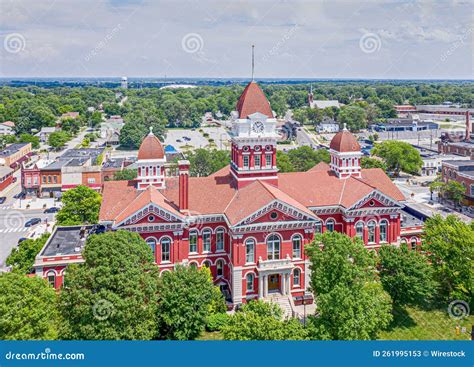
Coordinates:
28 308
185 296
354 117
113 295
95 119
28 138
449 245
259 320
204 162
70 125
406 275
58 139
131 135
125 175
351 303
453 190
81 205
367 162
283 162
303 158
22 258
399 156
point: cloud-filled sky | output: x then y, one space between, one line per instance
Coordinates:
399 39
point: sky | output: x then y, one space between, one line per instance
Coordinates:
377 39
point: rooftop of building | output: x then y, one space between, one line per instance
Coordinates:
324 103
4 171
253 100
460 163
69 240
113 163
410 217
12 149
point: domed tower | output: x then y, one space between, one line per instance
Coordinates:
151 161
345 154
254 139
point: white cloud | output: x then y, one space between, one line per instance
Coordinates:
60 36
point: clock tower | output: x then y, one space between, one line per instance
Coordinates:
254 139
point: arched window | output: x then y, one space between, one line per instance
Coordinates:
296 247
273 247
220 239
193 265
250 250
193 240
207 264
152 243
360 229
250 282
51 276
371 231
413 243
383 230
220 268
318 228
296 278
165 249
330 225
206 240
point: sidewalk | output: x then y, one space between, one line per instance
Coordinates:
36 203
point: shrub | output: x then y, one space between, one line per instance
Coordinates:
216 321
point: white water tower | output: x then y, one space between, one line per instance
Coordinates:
124 82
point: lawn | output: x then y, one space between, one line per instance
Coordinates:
414 324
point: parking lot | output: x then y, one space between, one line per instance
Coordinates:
193 137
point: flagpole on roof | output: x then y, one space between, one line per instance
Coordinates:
253 61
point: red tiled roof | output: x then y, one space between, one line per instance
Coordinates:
344 141
253 100
216 194
255 196
151 148
8 123
321 166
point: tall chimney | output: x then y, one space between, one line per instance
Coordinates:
468 126
183 167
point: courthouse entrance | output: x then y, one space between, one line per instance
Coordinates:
273 283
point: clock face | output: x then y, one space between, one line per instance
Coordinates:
258 127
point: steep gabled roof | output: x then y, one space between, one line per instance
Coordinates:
253 100
150 195
255 196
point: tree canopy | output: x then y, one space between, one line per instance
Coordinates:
406 275
351 302
449 245
28 308
22 258
113 295
185 298
81 205
301 159
259 320
204 162
399 156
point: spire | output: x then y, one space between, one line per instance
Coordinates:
253 61
345 127
151 130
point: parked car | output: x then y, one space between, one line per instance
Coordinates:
53 209
179 141
22 239
32 222
2 199
20 195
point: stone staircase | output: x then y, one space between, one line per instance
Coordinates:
283 302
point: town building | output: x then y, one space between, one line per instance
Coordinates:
462 145
410 123
75 167
7 128
14 154
110 130
6 177
328 126
321 104
45 132
461 171
432 162
248 223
